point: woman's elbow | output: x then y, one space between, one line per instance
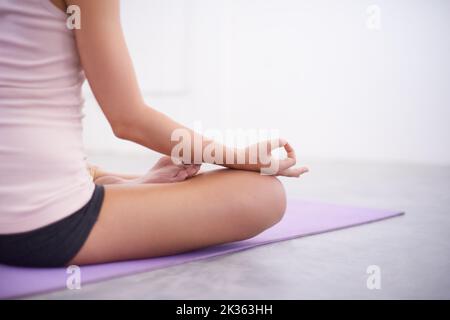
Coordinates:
125 124
121 129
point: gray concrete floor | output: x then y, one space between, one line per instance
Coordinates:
413 251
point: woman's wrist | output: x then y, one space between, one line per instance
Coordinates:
219 154
239 159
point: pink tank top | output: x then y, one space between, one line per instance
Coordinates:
43 175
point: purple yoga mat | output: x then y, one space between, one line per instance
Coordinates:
302 218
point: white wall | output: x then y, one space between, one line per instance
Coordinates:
312 69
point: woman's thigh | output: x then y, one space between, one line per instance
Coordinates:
160 219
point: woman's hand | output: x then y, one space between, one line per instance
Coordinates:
258 157
164 171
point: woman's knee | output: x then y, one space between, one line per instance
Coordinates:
250 202
262 202
271 196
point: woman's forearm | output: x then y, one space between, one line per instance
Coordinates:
154 130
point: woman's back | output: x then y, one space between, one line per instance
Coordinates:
43 176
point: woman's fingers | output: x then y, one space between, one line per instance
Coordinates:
291 158
275 144
294 172
181 175
285 164
284 167
266 155
192 169
290 151
281 143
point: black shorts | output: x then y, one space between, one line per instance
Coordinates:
55 244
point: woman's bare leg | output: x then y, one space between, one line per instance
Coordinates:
143 221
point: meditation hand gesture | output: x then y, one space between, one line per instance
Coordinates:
259 157
164 171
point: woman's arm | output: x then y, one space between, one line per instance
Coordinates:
109 70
